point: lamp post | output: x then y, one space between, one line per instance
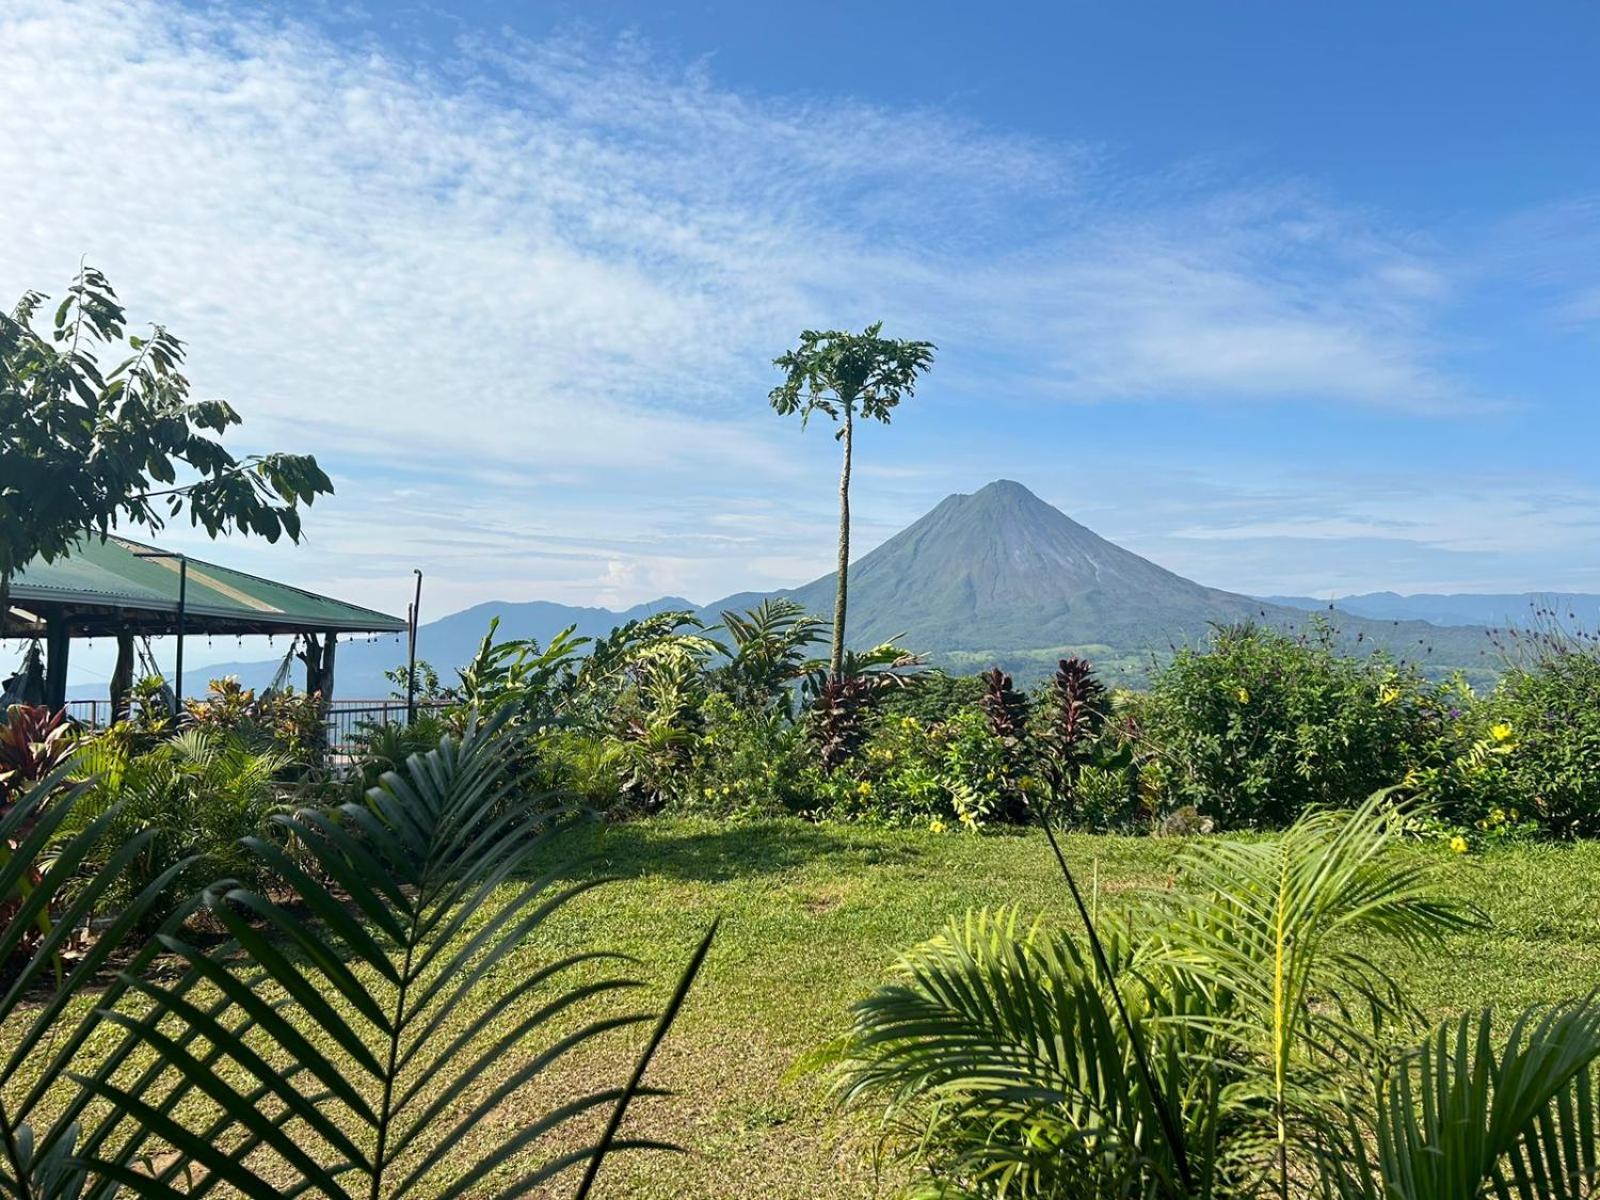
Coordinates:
183 604
411 652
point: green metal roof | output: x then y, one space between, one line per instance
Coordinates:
103 584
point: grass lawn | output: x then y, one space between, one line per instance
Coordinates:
813 917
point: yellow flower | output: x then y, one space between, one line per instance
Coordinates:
1500 732
1389 694
1458 844
865 787
936 826
1244 695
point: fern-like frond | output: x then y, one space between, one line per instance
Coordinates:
47 900
378 1030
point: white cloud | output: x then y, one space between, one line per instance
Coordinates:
524 306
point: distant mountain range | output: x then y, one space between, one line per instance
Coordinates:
997 576
1497 609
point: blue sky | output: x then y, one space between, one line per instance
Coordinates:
1286 297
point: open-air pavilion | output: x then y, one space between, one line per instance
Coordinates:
126 590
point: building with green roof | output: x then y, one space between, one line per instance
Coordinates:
122 589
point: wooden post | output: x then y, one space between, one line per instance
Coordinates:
57 645
326 687
122 678
312 657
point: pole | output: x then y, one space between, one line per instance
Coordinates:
411 652
183 602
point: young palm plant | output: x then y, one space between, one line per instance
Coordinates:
1227 1049
768 654
353 1042
1003 1065
1463 1116
1279 934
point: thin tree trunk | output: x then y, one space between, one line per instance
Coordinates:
836 661
5 599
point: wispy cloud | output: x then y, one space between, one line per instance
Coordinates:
522 302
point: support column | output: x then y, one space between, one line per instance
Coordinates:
326 688
318 658
122 678
57 645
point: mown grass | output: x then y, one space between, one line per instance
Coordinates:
813 917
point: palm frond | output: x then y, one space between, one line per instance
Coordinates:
1001 1063
379 1029
1463 1117
48 900
1281 931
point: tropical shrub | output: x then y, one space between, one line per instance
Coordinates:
898 778
289 722
190 801
768 655
1550 711
747 762
983 772
1007 711
378 749
34 742
1261 726
1233 1039
1458 776
937 697
841 704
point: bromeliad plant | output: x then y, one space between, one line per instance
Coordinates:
346 1045
1238 1047
34 742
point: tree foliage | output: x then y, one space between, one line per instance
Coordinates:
89 446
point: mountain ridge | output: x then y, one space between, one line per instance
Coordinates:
996 576
1455 608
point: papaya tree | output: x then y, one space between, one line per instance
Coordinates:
846 375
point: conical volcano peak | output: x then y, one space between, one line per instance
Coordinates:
1006 493
1006 487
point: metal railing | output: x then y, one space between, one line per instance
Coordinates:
94 713
345 719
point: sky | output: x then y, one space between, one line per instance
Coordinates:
1288 298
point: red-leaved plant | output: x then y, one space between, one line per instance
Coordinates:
33 743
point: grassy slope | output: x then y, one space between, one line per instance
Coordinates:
813 917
